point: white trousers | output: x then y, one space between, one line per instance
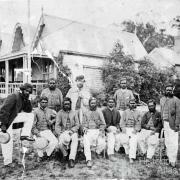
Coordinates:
92 138
111 139
129 141
148 143
73 144
7 149
53 142
171 142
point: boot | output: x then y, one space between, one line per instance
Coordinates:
71 163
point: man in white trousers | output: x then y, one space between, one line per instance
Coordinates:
112 118
16 108
93 126
43 119
79 95
130 125
151 125
170 114
67 124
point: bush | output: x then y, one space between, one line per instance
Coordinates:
147 80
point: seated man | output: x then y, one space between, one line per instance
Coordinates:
112 119
66 127
41 127
130 125
93 125
151 127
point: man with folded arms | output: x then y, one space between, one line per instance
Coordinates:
151 125
67 125
130 125
93 126
42 127
112 118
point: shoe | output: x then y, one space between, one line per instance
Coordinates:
112 158
98 156
27 138
71 163
89 164
131 160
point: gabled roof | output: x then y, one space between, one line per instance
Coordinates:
164 57
57 34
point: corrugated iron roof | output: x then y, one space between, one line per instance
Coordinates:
164 57
62 34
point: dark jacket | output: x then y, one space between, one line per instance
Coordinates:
156 118
112 118
174 111
12 105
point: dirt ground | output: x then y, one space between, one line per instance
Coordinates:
101 169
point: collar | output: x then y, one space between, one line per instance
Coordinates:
111 109
42 108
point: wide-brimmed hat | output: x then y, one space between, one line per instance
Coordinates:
66 139
4 137
41 143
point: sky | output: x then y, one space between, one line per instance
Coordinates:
103 13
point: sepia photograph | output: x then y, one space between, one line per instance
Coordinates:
89 89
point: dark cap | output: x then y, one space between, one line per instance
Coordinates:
80 78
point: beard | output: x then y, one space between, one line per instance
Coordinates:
170 95
152 110
65 108
93 108
52 87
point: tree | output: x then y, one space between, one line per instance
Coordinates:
148 81
148 35
64 72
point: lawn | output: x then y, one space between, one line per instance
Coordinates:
101 169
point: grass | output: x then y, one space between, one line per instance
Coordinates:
101 169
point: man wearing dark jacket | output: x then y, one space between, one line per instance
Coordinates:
151 125
112 119
16 108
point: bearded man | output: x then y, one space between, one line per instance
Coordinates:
170 114
93 126
54 95
66 127
15 109
151 125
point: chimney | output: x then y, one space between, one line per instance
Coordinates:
177 42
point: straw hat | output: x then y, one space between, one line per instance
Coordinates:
41 143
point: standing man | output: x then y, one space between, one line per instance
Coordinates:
130 125
66 127
93 126
112 118
151 125
122 96
79 96
16 108
42 127
54 95
170 114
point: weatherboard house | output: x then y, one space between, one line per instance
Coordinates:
84 48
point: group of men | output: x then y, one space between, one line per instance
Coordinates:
63 121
